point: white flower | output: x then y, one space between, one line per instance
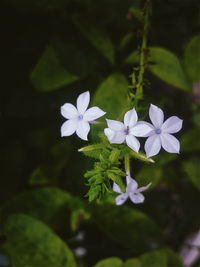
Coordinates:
79 117
132 191
119 132
160 134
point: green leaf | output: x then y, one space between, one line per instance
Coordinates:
165 65
131 228
117 179
49 73
92 151
189 140
168 68
111 96
192 169
192 59
162 258
149 174
97 37
30 243
132 263
110 262
51 205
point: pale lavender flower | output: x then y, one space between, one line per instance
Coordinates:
79 117
160 134
132 191
119 132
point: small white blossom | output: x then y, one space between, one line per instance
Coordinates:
160 134
132 191
79 117
119 132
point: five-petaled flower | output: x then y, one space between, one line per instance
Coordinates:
132 191
160 133
119 132
79 117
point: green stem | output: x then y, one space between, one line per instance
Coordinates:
138 83
127 164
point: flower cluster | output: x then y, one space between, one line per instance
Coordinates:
159 133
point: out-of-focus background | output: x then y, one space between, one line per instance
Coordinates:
51 52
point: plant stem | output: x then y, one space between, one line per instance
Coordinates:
138 81
127 164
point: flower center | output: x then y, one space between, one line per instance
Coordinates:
158 131
126 131
80 117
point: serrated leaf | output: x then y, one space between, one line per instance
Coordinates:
127 226
110 262
97 37
30 243
49 74
165 65
192 169
116 179
192 59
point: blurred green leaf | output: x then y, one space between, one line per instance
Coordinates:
111 96
165 65
97 37
30 243
192 169
168 68
50 204
149 174
132 263
192 58
110 262
161 258
189 140
49 74
127 226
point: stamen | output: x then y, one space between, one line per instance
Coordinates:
126 131
158 131
80 117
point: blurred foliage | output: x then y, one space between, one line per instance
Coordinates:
51 52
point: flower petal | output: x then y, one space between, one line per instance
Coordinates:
114 137
143 188
83 129
152 145
132 185
115 125
136 198
69 111
172 125
170 143
68 127
142 129
130 118
132 142
83 102
116 188
121 199
93 113
156 115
